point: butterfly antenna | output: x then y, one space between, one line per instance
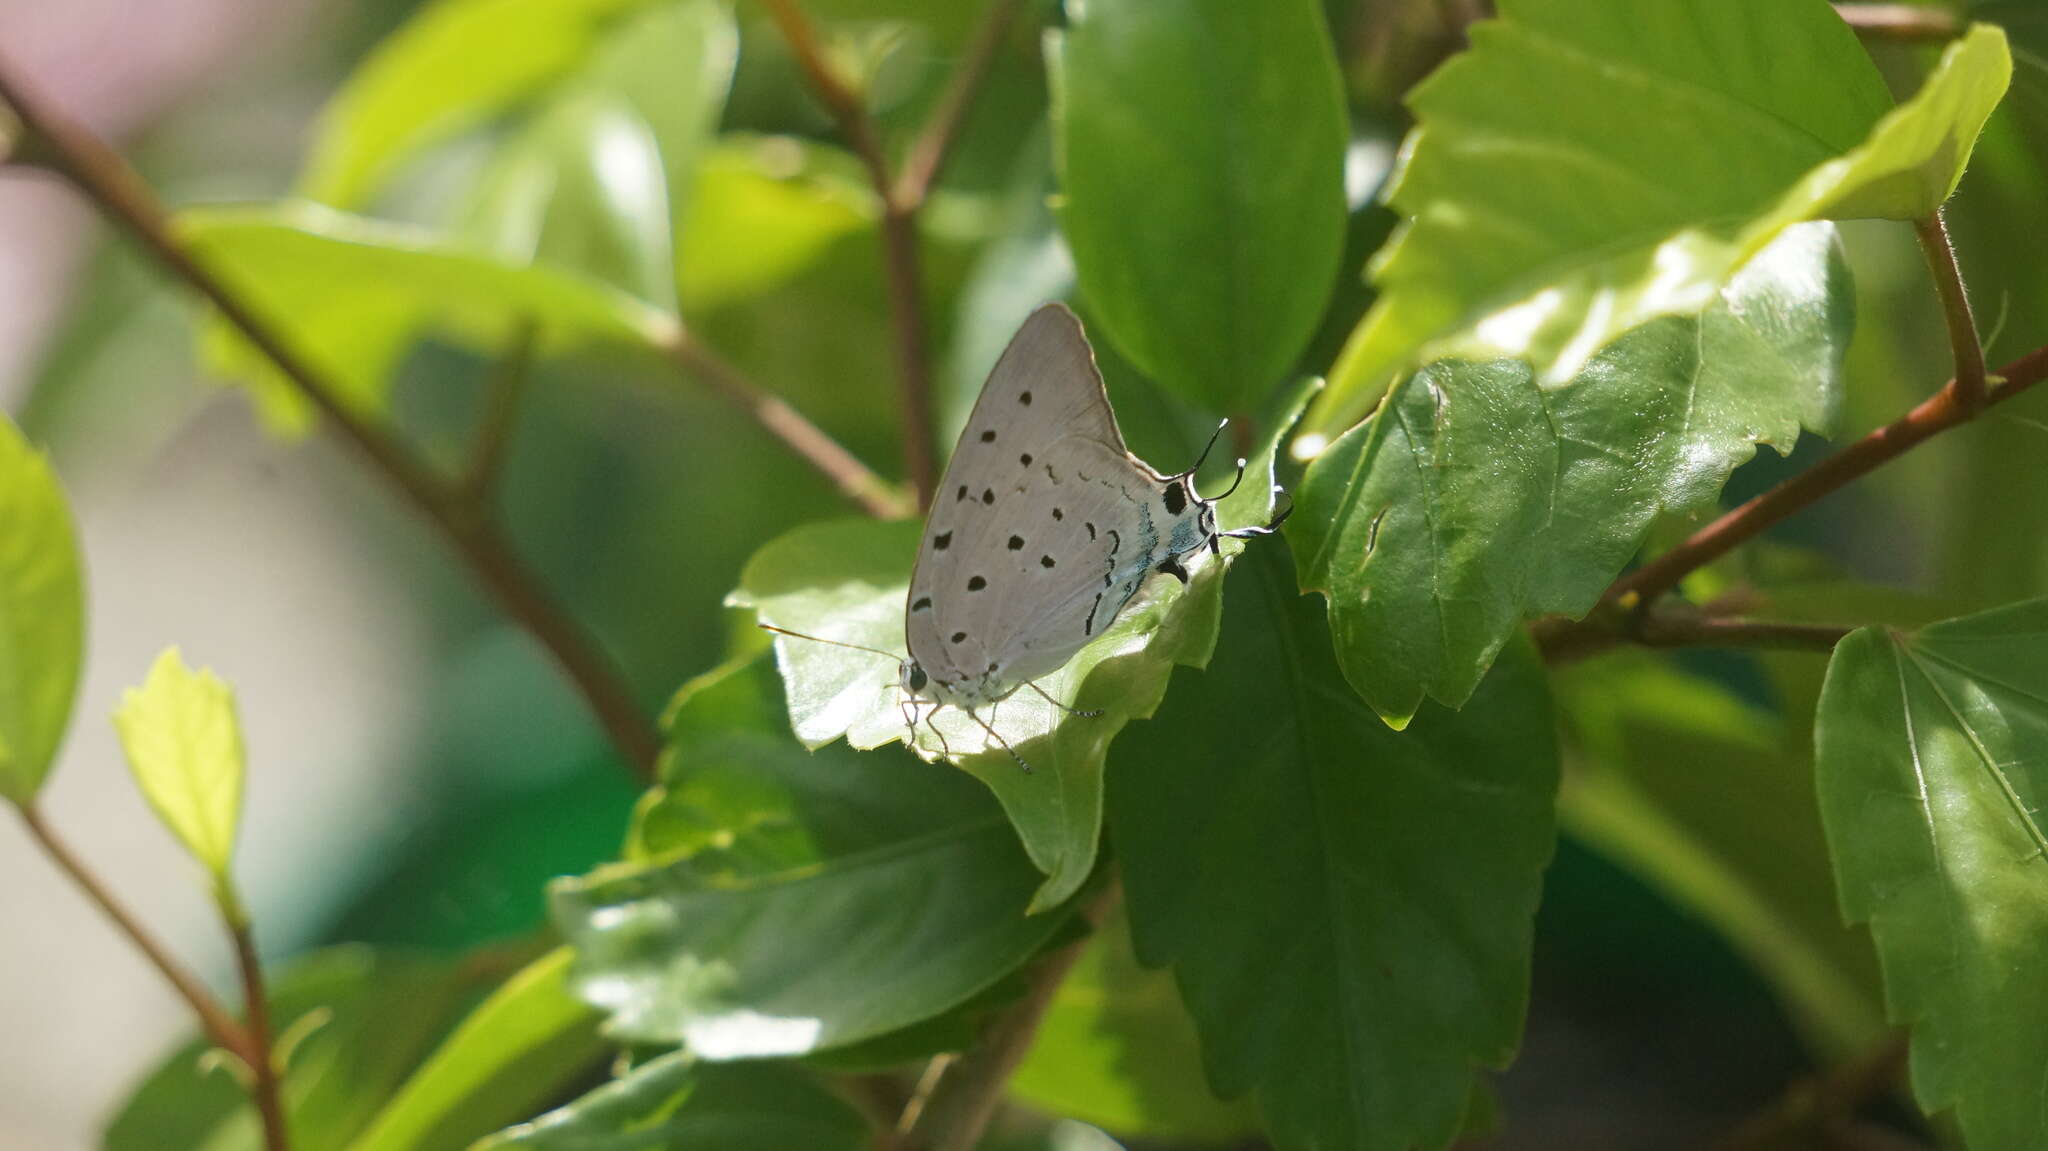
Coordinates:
833 642
1272 525
1224 495
1199 460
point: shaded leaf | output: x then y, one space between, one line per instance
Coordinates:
673 1104
848 581
353 294
517 1050
1551 207
1213 280
783 902
184 744
42 616
1479 498
452 67
1933 764
1348 910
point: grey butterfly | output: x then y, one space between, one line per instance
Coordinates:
1043 529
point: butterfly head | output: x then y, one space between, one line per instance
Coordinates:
912 676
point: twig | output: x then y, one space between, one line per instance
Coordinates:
928 153
220 1027
501 413
1933 416
873 494
1816 1104
1901 21
106 179
1964 342
262 1065
1565 642
952 1113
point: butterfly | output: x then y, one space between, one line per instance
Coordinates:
1043 529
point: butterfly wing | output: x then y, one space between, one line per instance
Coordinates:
1045 525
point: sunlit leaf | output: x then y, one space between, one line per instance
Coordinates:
673 1104
1552 206
1348 910
763 209
352 295
515 1051
781 902
1933 768
184 744
42 615
1206 235
848 581
452 67
1478 497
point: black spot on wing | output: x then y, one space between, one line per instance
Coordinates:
989 436
988 496
924 603
1090 525
942 541
958 636
1016 543
1176 499
1047 562
1024 398
1058 514
961 494
976 584
1025 459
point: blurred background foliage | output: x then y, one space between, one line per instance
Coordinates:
639 497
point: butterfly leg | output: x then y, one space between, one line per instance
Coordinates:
999 739
1084 712
945 748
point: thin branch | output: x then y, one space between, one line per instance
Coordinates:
928 153
501 414
874 495
1933 416
899 245
107 179
1964 342
263 1067
1565 642
1816 1106
1910 22
952 1114
219 1026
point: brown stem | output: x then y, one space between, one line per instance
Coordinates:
262 1066
1813 1106
928 153
870 492
118 191
501 414
1565 642
1933 416
962 1098
219 1026
1964 342
1900 21
899 244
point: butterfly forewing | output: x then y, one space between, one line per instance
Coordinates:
1045 525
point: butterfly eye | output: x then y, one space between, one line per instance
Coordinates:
917 678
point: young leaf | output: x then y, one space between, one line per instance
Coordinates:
514 1052
1213 280
1933 765
1698 794
848 580
673 1104
184 745
353 294
757 854
42 616
1551 207
1479 497
452 67
1348 910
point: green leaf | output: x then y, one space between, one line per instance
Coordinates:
353 294
848 581
1933 762
1213 280
42 616
673 1104
1348 910
184 745
1479 497
1551 206
1699 794
756 864
764 209
365 1019
516 1051
1116 1048
451 68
